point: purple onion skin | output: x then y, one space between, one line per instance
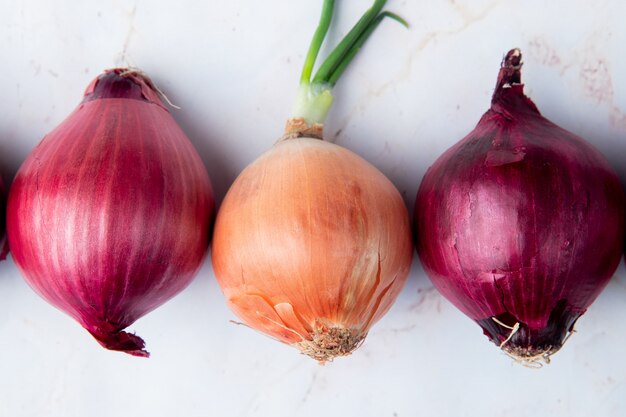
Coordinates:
4 244
522 222
109 216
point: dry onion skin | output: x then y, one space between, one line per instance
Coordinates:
109 215
312 244
520 224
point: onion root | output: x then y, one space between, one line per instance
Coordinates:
329 342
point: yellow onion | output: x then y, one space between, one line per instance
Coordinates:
312 244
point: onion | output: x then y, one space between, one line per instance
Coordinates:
4 245
520 224
109 216
312 244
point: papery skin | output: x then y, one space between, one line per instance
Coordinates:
311 236
520 221
109 216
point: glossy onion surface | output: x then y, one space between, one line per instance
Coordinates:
520 224
109 216
312 245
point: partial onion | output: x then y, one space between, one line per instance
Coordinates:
109 216
4 244
520 224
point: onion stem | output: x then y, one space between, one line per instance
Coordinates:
315 96
318 39
356 46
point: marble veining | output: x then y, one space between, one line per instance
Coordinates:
232 66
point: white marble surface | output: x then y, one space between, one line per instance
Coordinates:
233 66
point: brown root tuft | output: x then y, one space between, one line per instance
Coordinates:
330 342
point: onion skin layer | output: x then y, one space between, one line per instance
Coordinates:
109 216
312 242
521 222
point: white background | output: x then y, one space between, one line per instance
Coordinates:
233 67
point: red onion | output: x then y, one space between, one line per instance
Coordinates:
520 224
109 216
4 245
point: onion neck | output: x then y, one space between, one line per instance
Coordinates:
123 83
508 98
315 93
510 70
